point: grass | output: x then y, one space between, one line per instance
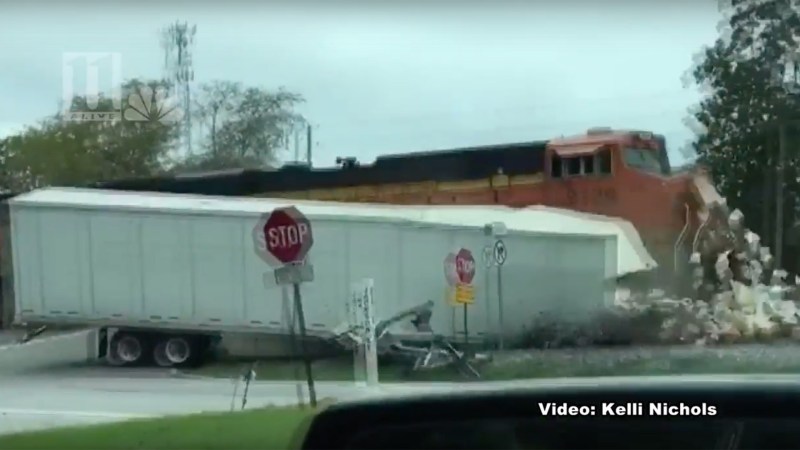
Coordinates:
553 363
268 428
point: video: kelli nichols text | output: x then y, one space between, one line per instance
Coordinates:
638 409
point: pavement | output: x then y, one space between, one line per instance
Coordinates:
78 396
47 383
9 337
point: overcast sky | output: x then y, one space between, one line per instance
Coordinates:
392 78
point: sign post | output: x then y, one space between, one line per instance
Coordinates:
362 317
488 262
282 239
451 278
499 255
459 273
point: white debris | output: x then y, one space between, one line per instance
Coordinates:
740 305
753 244
695 258
736 220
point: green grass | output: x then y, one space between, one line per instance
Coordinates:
269 428
546 364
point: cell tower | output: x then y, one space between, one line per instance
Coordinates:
177 40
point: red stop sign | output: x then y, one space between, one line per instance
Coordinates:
283 236
465 266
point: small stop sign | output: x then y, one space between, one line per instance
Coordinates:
283 236
465 266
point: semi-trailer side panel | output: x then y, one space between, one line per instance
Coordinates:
178 262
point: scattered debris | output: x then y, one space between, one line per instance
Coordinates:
32 334
741 295
437 352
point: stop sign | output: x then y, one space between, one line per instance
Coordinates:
450 274
465 266
283 236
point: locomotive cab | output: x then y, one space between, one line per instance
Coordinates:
623 174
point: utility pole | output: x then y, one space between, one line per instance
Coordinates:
296 145
779 181
308 144
178 42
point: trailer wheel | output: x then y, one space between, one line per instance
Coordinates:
129 348
113 359
178 350
160 354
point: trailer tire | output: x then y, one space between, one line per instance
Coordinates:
113 360
160 354
179 349
129 348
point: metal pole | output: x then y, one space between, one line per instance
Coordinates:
308 144
500 305
779 180
291 319
248 377
298 304
235 391
453 319
296 145
466 329
487 295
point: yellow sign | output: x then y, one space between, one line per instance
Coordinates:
460 294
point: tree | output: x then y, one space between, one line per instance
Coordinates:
63 151
746 101
246 125
217 101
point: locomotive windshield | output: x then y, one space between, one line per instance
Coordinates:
643 159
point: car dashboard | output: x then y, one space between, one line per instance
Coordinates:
648 413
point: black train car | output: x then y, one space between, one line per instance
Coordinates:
445 165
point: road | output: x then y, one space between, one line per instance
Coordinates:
46 383
74 396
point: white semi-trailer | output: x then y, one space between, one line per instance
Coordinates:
163 275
